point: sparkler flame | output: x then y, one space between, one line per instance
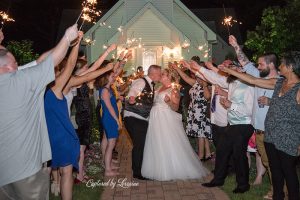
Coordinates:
5 18
229 21
185 44
89 12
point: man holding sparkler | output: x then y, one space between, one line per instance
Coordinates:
23 131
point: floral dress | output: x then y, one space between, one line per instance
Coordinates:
198 125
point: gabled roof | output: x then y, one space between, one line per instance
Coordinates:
208 18
159 15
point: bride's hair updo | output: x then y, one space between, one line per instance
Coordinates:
173 75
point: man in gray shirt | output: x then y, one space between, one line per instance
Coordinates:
24 138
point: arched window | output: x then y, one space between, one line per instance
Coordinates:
149 58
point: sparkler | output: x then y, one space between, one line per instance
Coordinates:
88 41
5 18
88 12
228 21
185 44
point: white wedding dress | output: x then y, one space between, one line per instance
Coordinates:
168 154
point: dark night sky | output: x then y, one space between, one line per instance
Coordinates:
38 20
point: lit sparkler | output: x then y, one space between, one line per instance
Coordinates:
185 44
228 21
88 12
88 41
5 18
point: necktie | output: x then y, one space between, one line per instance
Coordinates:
213 103
153 85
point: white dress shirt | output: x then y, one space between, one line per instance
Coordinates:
240 95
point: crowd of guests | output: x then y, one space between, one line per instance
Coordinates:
232 104
37 134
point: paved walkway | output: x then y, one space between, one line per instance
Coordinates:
135 189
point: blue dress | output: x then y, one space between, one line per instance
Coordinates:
64 142
110 125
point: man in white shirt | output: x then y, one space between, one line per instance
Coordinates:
267 68
136 114
235 139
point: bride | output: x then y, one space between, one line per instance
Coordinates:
168 154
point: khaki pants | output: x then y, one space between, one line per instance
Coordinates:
264 158
33 187
262 152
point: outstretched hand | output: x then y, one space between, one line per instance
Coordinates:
223 68
71 33
185 64
194 66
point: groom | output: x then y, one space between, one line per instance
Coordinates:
136 114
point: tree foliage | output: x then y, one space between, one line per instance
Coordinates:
278 32
22 51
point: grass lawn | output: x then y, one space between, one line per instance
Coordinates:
255 192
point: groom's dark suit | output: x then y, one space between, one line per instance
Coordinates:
136 123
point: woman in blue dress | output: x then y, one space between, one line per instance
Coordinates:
63 138
110 120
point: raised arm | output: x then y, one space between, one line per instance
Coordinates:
183 75
264 83
209 75
78 80
43 56
210 66
64 76
100 60
60 50
238 50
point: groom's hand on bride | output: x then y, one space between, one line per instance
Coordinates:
131 100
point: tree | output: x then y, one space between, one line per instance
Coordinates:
278 32
22 51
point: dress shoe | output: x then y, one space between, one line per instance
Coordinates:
241 189
212 184
140 177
